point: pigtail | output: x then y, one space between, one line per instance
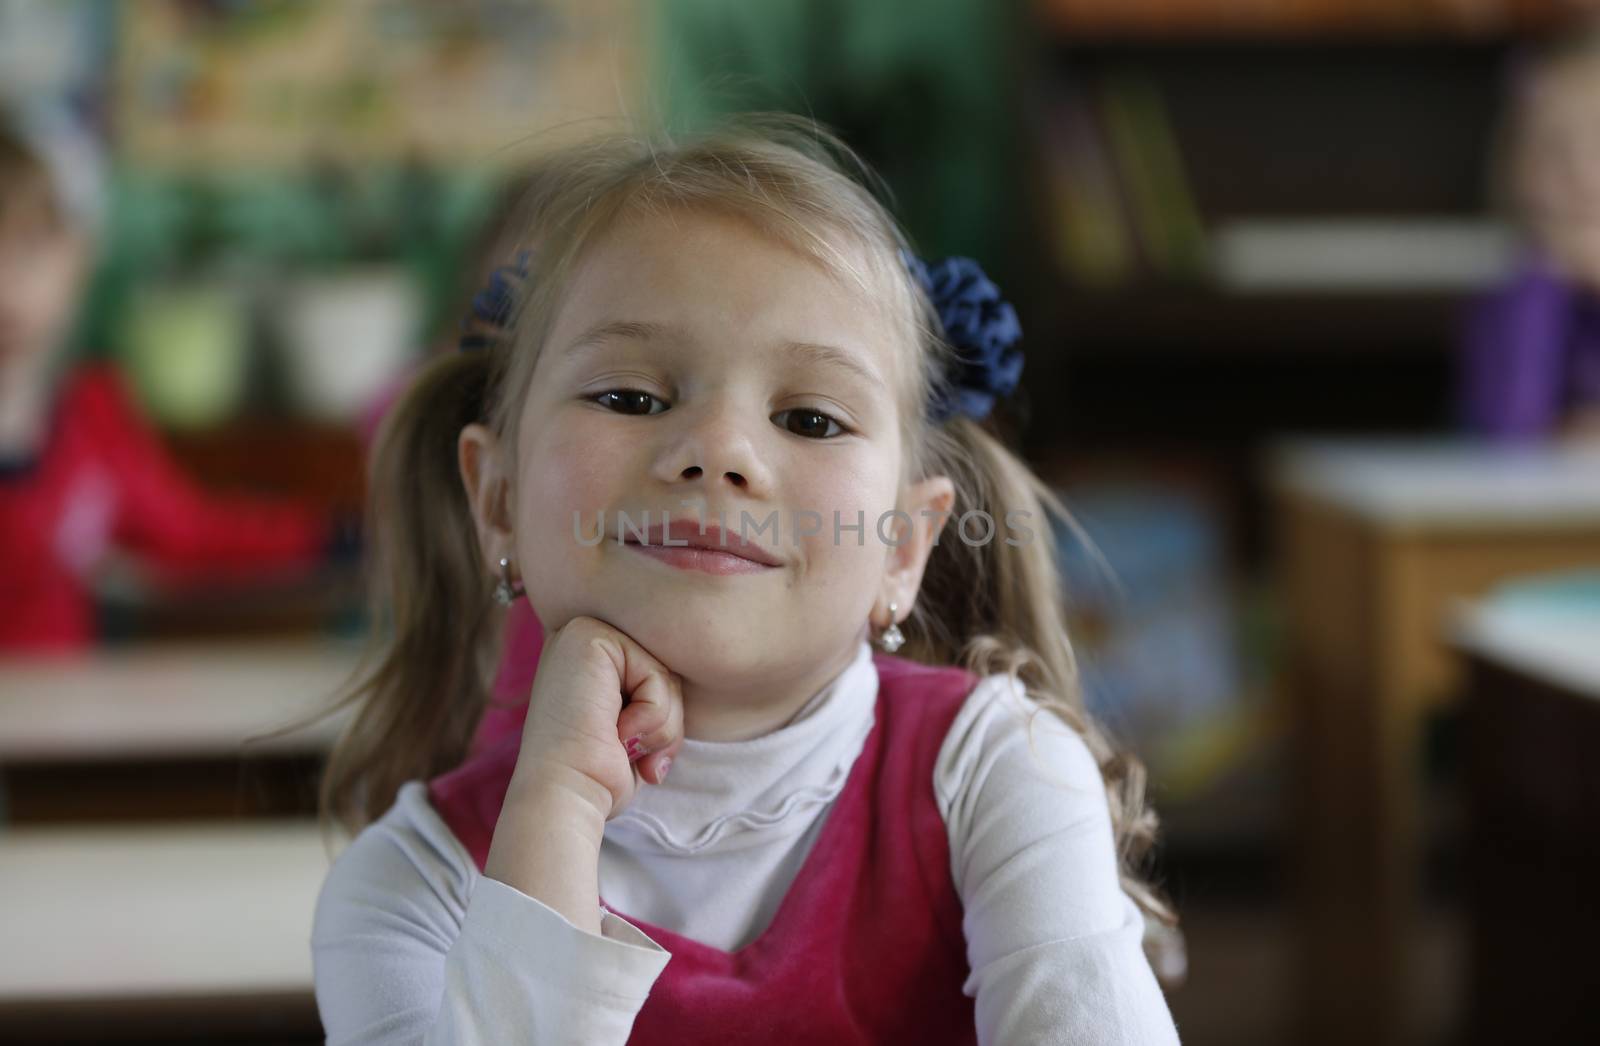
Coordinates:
995 606
431 645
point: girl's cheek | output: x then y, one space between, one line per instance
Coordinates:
571 457
552 487
561 509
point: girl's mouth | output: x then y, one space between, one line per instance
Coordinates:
710 561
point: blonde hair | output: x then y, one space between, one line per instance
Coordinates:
992 607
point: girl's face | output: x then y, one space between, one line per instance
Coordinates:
41 268
697 367
1557 168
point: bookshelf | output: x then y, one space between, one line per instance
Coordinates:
1204 156
1176 352
1146 148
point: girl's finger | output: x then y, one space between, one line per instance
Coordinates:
653 768
645 724
654 764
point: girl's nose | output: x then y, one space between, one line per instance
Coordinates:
715 444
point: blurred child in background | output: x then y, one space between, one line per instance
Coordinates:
1531 351
81 472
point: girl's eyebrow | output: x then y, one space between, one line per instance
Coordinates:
809 352
829 356
618 329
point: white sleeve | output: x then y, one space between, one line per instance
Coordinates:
1053 943
410 944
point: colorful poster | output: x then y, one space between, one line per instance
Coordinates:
229 84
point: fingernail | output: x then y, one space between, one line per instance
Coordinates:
635 748
661 771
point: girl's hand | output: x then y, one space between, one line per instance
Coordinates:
1573 245
1581 427
595 691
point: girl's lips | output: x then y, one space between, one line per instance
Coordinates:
711 561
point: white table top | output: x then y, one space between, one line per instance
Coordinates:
158 911
170 700
1455 484
1554 637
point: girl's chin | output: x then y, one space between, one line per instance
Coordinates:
684 639
697 648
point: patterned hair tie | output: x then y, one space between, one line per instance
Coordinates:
494 305
983 329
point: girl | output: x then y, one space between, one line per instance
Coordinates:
722 815
1531 346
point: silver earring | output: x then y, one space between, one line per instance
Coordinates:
506 591
892 638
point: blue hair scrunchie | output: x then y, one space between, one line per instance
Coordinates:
978 323
493 305
981 326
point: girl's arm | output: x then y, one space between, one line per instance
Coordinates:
1054 944
534 959
411 945
164 515
1513 356
547 840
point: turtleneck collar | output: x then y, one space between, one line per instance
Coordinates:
726 795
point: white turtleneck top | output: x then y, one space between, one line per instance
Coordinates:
412 944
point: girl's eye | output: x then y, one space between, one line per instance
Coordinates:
810 423
628 401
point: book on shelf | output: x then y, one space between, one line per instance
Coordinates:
1121 205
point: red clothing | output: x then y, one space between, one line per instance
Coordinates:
104 480
866 946
513 680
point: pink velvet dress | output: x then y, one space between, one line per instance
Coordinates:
867 944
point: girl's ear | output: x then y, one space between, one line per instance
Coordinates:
488 493
928 502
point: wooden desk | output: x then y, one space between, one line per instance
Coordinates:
168 731
169 700
1532 743
116 931
1375 540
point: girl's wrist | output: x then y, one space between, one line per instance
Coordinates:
547 844
554 792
